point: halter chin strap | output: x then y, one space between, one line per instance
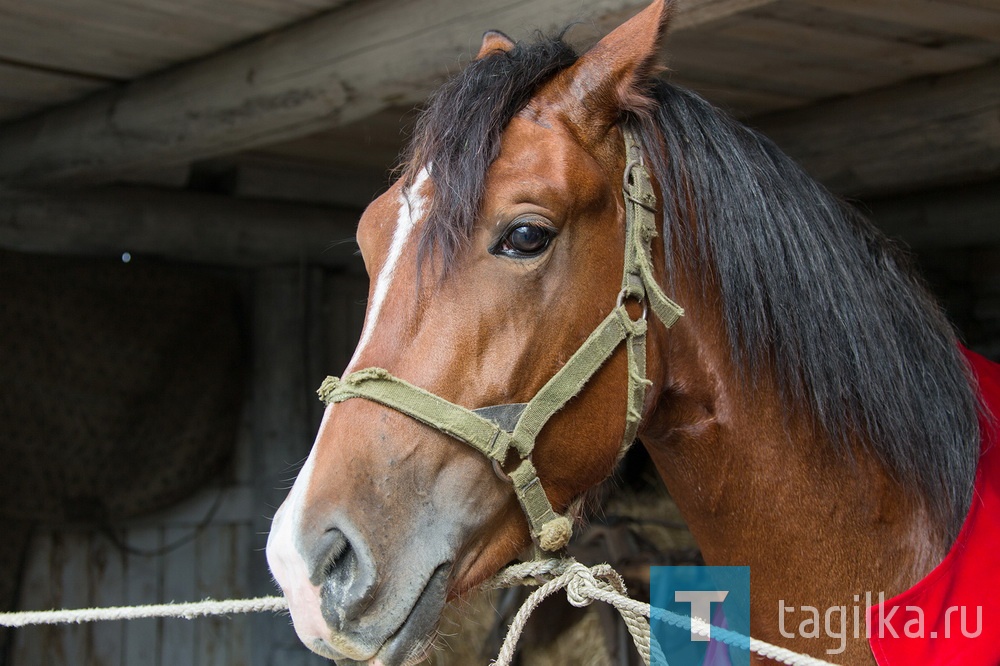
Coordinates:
497 430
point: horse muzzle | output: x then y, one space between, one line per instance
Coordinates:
339 608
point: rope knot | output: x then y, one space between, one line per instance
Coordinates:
580 585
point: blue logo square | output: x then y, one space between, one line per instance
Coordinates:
721 593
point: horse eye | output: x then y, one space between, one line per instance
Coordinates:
525 240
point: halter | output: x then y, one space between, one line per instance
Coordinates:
497 430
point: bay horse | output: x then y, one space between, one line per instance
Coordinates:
811 412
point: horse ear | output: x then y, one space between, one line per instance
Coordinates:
605 81
494 40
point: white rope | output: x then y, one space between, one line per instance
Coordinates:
583 585
187 611
602 583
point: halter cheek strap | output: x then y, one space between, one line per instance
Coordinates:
497 430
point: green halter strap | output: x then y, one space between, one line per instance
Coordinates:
496 430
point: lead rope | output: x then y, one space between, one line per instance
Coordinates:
583 585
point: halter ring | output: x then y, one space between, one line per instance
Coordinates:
622 295
627 176
498 470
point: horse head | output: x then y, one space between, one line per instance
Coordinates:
390 517
518 338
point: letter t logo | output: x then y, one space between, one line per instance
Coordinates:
701 606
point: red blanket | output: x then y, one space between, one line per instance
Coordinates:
952 616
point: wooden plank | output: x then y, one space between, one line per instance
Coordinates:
40 87
282 393
289 654
897 110
710 12
106 578
928 14
243 559
201 228
318 322
739 100
743 103
214 580
13 561
281 180
177 646
831 20
227 505
35 645
142 586
897 59
372 143
345 302
69 567
948 151
920 134
243 457
127 39
766 84
282 434
291 324
985 5
698 55
688 15
336 68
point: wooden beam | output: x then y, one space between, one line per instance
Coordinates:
185 226
958 217
338 67
927 133
931 15
263 177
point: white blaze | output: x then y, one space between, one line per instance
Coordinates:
412 206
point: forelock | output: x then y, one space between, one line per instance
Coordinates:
458 134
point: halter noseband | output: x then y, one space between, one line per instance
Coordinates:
494 431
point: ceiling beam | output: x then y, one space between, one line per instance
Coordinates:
179 225
256 176
341 66
927 133
232 231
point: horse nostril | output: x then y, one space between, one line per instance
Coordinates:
345 574
322 552
339 548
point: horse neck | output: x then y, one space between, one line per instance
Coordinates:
759 486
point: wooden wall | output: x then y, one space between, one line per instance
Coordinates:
305 324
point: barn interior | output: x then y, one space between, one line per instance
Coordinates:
179 187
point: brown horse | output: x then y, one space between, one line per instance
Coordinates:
811 413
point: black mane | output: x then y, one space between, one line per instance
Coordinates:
810 289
